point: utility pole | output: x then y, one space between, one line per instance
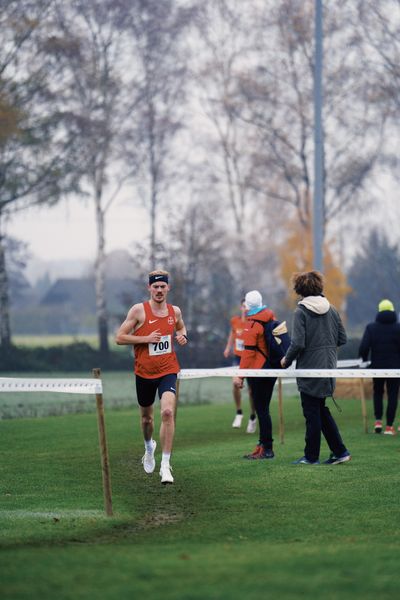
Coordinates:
318 213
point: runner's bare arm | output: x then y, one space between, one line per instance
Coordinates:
229 345
134 319
180 329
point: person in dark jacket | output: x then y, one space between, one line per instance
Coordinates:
316 334
382 340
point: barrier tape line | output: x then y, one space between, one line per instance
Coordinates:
64 386
94 386
290 373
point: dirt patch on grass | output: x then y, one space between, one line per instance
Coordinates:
159 518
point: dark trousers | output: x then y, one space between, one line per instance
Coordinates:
392 390
319 419
261 390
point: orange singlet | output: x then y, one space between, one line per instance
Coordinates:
238 326
156 359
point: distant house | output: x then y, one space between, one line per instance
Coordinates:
80 295
69 305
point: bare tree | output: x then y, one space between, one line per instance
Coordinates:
380 23
225 52
94 56
36 147
279 106
161 63
202 277
259 67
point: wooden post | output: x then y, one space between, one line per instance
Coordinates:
105 464
280 408
363 406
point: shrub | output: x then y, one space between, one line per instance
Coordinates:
73 357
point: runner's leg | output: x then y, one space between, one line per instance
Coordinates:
167 429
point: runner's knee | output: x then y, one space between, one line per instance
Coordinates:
147 420
167 414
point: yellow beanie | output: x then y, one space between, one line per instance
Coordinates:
385 305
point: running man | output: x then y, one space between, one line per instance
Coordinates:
150 327
235 344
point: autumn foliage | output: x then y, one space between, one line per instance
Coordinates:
297 255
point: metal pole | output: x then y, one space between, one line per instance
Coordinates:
318 220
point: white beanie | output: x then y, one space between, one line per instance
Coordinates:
253 300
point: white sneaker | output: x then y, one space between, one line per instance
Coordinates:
251 426
165 474
148 460
237 421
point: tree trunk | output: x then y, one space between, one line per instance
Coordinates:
5 330
100 279
153 214
153 172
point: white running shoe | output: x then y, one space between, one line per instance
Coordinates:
148 460
237 421
251 426
165 474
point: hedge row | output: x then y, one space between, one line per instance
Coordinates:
72 357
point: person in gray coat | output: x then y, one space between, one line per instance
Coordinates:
317 332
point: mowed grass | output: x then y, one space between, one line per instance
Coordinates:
227 529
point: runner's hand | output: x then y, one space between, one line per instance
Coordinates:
154 337
238 382
181 339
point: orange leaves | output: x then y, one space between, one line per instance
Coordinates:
296 254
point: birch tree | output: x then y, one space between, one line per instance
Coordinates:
95 57
36 148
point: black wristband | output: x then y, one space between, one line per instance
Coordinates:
185 336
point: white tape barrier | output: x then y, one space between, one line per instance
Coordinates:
290 373
345 363
64 386
351 362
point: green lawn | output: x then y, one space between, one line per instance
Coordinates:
119 393
227 529
46 341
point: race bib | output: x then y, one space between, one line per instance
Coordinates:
239 345
164 346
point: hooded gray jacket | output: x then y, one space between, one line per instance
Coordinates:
316 333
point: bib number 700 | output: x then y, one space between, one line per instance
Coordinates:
161 347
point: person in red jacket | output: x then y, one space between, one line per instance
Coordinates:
255 356
151 327
235 344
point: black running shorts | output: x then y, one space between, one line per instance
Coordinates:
146 388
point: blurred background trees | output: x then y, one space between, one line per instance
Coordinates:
37 147
204 111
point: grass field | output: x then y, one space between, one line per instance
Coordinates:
46 341
119 393
227 529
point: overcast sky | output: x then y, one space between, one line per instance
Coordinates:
68 231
